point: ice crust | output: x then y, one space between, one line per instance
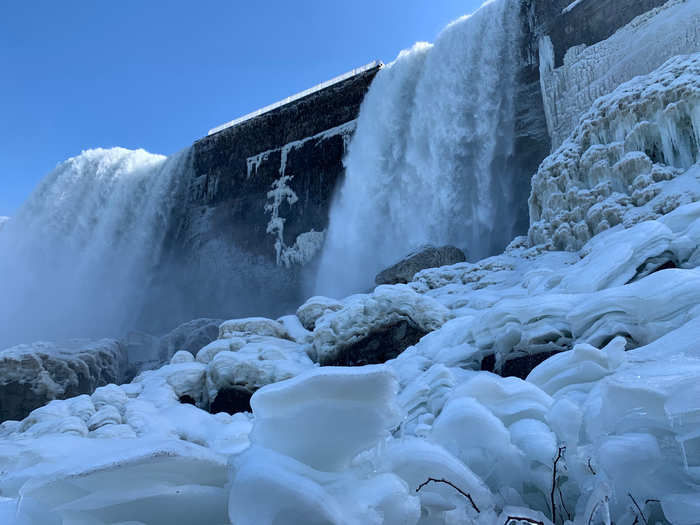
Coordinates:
616 403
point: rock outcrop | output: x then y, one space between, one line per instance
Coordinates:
420 259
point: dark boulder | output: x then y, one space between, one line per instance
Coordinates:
424 257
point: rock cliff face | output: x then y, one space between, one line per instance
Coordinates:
256 207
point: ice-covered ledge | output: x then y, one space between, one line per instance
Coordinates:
374 65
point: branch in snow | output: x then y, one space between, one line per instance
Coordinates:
465 494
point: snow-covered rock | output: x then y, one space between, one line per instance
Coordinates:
32 375
314 307
371 328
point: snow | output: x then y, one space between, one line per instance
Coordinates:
307 92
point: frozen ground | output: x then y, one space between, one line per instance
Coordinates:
605 430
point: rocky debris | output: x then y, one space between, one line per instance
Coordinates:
309 312
424 257
31 375
372 328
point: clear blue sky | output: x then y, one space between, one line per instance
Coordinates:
158 74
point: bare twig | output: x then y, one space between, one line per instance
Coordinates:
652 501
636 520
522 518
590 467
595 508
644 519
561 498
465 494
554 484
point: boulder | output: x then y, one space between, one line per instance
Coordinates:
424 257
373 328
31 375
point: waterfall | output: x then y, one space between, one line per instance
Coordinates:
78 257
431 160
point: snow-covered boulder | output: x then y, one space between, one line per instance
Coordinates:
314 307
233 376
372 328
31 375
253 326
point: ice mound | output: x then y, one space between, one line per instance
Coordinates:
306 433
326 416
619 164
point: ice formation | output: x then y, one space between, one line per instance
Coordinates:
429 160
635 49
84 243
615 167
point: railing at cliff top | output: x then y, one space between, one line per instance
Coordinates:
319 87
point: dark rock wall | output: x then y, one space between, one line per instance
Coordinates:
220 259
588 22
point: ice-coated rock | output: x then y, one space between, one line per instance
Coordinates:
372 328
253 326
425 257
259 362
314 307
34 374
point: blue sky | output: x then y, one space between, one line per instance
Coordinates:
157 75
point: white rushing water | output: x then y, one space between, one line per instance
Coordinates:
429 162
77 258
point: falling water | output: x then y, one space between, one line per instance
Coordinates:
78 257
431 160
